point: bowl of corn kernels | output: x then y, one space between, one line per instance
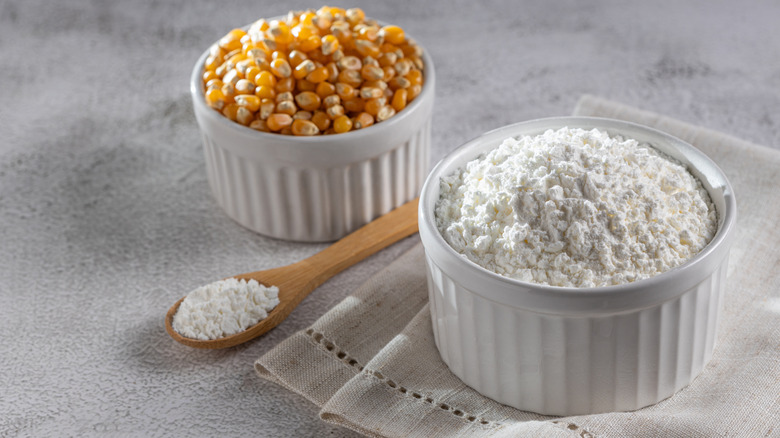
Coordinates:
314 123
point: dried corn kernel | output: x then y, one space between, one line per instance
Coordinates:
332 68
392 34
399 99
362 120
308 100
304 127
281 68
342 124
248 101
325 89
276 122
321 119
286 107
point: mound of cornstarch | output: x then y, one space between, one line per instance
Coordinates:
224 308
575 208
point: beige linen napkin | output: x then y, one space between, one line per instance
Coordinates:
371 365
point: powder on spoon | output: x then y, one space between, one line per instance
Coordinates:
224 308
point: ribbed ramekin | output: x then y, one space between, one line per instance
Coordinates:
571 351
315 189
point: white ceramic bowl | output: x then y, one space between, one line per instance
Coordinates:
318 188
570 351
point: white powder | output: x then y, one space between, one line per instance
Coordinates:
224 308
575 208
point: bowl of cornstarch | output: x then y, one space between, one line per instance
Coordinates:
576 265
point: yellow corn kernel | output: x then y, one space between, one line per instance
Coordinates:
303 69
342 124
349 63
414 90
244 116
372 73
296 57
355 15
265 78
335 111
231 77
257 55
266 109
244 86
265 92
354 106
373 106
317 76
325 89
251 74
214 84
371 92
287 130
303 115
229 91
306 18
331 100
209 75
287 95
369 33
243 65
321 119
286 84
308 100
402 67
399 82
387 59
279 54
345 91
310 43
367 48
277 122
215 99
385 113
399 99
286 107
392 34
232 40
259 125
248 101
304 85
350 77
333 72
411 50
362 120
281 68
329 44
370 60
340 29
304 128
280 32
212 62
230 111
415 77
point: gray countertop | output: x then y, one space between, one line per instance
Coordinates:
106 217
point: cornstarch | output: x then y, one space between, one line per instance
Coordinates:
575 208
224 308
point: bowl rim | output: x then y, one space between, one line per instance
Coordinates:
604 299
314 142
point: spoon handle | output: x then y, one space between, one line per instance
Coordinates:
376 235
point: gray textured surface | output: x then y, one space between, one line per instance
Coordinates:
106 217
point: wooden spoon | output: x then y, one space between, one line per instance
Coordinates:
296 281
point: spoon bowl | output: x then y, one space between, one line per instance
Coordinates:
297 280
